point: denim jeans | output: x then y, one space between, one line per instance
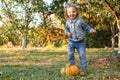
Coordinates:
81 49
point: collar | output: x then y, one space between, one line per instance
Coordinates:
73 21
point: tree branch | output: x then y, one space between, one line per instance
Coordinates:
111 8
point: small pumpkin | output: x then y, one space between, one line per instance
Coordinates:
70 70
63 71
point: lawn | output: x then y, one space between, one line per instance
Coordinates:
46 65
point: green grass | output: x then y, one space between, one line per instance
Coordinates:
39 65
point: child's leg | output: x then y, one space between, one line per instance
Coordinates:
71 50
81 48
82 53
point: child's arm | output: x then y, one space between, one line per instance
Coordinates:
93 31
87 27
67 31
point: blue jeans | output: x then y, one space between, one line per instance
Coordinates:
81 48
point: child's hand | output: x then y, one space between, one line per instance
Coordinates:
93 31
69 34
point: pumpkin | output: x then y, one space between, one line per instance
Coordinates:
63 71
70 70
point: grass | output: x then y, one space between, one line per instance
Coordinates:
46 65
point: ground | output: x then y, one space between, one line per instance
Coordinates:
46 63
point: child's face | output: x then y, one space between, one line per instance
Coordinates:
72 12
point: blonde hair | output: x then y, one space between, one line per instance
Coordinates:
65 11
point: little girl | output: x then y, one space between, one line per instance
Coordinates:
75 28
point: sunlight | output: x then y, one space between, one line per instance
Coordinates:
1 23
48 1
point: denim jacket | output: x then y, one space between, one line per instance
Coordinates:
76 28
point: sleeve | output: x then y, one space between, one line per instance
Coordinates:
86 27
66 28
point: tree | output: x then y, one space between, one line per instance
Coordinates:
20 15
115 12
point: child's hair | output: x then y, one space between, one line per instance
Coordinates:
67 5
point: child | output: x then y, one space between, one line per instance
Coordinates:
75 27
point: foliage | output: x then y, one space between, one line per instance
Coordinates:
98 39
46 36
18 17
3 38
20 14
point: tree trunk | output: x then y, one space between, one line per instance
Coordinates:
24 42
49 40
113 37
118 24
117 17
113 42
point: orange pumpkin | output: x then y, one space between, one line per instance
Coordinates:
70 70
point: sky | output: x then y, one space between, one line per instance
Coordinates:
48 1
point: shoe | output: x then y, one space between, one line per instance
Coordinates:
70 64
83 72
